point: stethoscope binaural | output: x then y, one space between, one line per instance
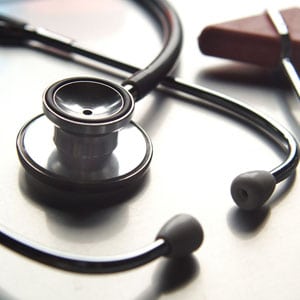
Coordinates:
93 146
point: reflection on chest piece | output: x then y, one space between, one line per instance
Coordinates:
86 140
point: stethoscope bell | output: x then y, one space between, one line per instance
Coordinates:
93 145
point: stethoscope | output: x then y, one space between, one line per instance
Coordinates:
85 141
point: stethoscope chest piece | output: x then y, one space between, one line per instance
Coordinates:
85 140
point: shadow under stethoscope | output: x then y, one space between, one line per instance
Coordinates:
5 296
253 76
243 74
248 224
101 218
170 276
63 207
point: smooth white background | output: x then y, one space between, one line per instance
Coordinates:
197 153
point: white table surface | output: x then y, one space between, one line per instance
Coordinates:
197 153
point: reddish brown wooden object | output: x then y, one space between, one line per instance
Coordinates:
252 40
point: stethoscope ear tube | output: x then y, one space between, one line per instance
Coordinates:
179 237
251 189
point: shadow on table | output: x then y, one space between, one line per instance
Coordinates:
5 296
247 224
171 276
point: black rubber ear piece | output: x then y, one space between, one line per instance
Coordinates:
252 189
183 234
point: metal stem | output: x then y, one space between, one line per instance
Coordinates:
286 63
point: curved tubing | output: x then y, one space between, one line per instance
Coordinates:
241 111
15 32
80 263
145 80
179 237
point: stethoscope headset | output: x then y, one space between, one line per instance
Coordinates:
93 146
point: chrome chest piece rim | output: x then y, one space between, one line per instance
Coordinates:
88 105
85 140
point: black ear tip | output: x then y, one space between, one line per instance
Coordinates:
252 189
184 235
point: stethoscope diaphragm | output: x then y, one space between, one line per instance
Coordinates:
93 146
